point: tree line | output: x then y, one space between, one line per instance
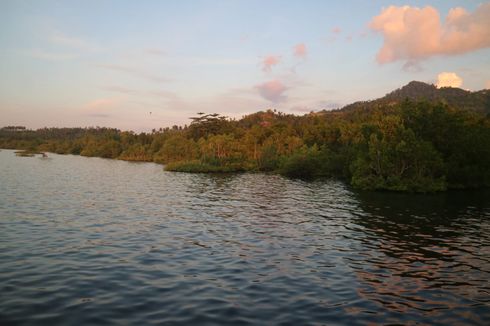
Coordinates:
413 146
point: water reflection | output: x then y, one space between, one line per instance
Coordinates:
431 255
93 241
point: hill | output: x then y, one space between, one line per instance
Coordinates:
417 138
416 91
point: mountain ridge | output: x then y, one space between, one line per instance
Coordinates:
419 91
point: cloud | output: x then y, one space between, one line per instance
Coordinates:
449 79
300 50
156 52
329 105
60 38
100 108
335 34
135 72
98 115
102 103
50 56
119 89
301 109
162 94
487 84
272 91
244 38
66 48
413 34
216 61
309 105
269 61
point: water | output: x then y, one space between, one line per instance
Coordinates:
100 242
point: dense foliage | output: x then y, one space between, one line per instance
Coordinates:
408 146
418 91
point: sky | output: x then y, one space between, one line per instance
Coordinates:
139 65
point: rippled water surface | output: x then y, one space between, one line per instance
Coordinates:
97 242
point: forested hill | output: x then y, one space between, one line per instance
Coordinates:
393 143
456 97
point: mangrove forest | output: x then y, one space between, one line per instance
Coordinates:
398 143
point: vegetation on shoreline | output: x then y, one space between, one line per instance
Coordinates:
28 153
24 154
197 166
413 146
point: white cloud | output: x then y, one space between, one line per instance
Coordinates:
449 79
49 55
135 72
62 39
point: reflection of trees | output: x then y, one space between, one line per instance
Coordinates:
266 219
405 216
207 186
424 253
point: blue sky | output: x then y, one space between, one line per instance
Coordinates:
111 63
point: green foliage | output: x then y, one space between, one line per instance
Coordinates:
303 163
423 176
208 124
175 149
136 152
462 138
268 159
203 167
385 144
397 160
96 148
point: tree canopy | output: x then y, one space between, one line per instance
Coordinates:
414 146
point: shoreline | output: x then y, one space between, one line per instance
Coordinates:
311 179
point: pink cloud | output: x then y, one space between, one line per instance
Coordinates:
300 50
272 90
336 30
269 61
102 103
120 89
413 34
487 84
